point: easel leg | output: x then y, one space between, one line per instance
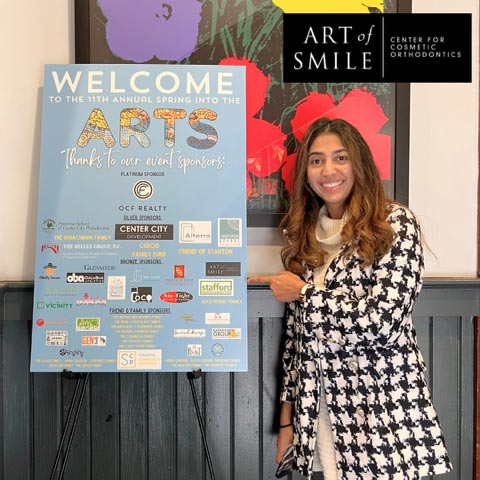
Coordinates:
191 377
73 412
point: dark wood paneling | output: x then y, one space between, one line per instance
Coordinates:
143 425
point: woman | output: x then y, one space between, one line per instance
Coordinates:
355 403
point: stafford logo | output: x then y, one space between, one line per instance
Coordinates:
215 288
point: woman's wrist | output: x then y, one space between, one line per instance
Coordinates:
303 292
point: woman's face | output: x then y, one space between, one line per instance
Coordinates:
330 172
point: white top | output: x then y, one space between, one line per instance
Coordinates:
329 237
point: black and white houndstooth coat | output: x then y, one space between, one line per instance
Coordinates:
358 333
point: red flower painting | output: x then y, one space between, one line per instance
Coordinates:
360 108
265 141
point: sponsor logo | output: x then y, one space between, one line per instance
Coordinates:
50 246
229 232
99 268
176 297
49 272
42 322
49 225
84 277
179 271
58 291
194 350
139 276
88 300
54 305
226 333
217 349
87 324
179 277
223 269
189 333
187 318
196 232
56 338
94 340
137 231
215 288
71 353
117 286
82 227
139 359
50 269
217 318
143 190
141 295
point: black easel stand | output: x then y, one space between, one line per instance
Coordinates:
191 377
73 413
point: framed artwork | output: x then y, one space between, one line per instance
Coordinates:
250 33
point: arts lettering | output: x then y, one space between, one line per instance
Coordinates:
134 122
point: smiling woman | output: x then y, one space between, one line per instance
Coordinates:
330 173
353 270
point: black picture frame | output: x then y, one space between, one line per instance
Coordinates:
91 47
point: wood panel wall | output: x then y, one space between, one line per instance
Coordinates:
135 426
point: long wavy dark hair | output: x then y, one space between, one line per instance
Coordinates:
366 229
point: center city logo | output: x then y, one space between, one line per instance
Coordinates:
141 295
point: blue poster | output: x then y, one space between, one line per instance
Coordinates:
141 235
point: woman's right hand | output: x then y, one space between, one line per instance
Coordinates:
284 439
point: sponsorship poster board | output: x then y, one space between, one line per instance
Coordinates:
141 237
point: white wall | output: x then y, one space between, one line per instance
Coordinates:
32 34
444 159
444 144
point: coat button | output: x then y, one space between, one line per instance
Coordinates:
360 412
353 365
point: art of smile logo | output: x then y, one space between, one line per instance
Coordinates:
143 190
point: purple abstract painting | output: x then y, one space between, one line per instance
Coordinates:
140 30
